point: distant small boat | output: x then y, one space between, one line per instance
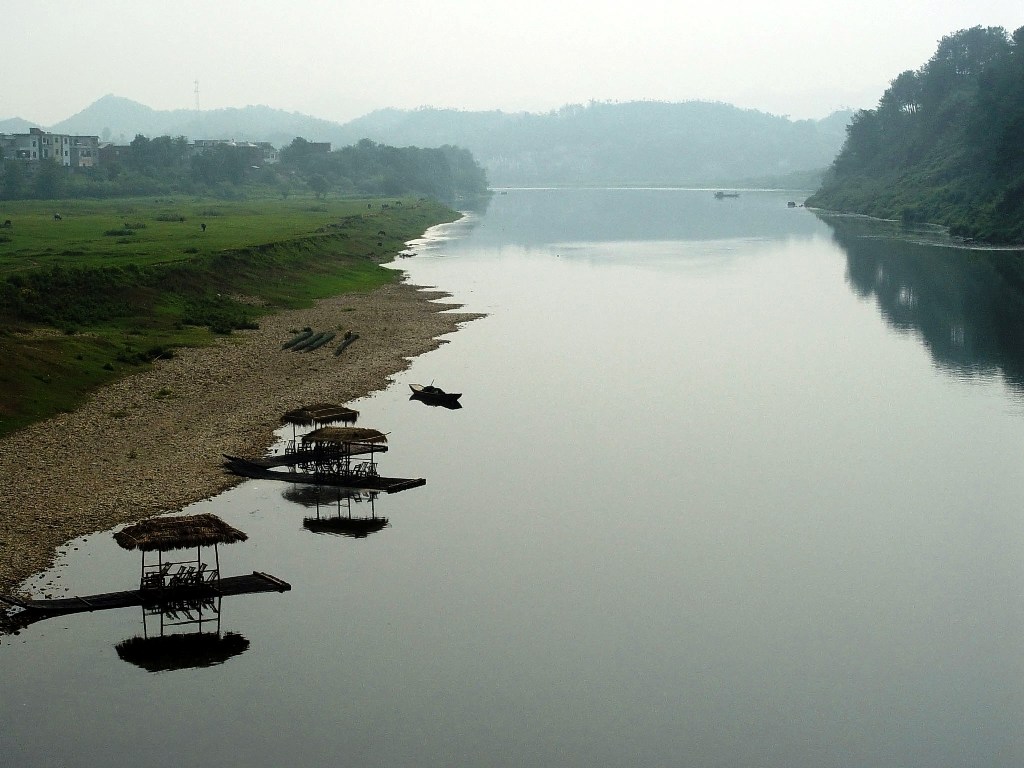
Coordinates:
719 195
430 394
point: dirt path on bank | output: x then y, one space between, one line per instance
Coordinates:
152 442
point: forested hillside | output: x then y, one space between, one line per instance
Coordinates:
165 165
116 119
945 144
690 143
446 173
693 143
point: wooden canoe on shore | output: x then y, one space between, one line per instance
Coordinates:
364 482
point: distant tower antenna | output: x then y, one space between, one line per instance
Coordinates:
197 95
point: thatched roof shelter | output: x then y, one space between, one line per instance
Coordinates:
343 435
167 533
319 415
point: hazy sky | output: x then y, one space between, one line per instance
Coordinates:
338 60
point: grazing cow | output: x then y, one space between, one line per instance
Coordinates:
203 226
7 224
56 217
382 232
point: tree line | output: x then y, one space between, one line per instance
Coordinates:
944 144
631 143
166 165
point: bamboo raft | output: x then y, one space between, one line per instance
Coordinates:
304 456
262 470
37 610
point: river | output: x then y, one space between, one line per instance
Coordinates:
733 484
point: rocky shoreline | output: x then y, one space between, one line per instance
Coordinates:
152 442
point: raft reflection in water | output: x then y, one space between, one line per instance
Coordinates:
173 647
342 502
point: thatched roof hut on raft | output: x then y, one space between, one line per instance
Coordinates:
330 450
346 435
165 534
318 415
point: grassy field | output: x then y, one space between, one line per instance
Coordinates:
112 285
142 232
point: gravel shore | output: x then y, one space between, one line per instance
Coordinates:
152 442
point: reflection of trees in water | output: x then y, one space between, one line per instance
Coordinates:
477 204
534 218
967 306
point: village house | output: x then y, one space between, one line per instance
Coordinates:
258 152
65 149
87 152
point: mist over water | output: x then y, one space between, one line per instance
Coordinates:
731 485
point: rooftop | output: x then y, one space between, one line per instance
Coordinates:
166 533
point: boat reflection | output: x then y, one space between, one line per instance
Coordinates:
442 400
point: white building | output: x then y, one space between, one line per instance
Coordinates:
37 145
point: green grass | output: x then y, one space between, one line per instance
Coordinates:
80 237
79 307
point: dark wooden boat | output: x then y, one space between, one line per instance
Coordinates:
428 393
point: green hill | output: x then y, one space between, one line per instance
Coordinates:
945 143
631 143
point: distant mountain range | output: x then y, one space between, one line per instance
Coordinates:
632 143
117 119
15 125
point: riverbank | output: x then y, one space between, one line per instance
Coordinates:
151 443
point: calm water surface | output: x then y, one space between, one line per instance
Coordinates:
732 486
